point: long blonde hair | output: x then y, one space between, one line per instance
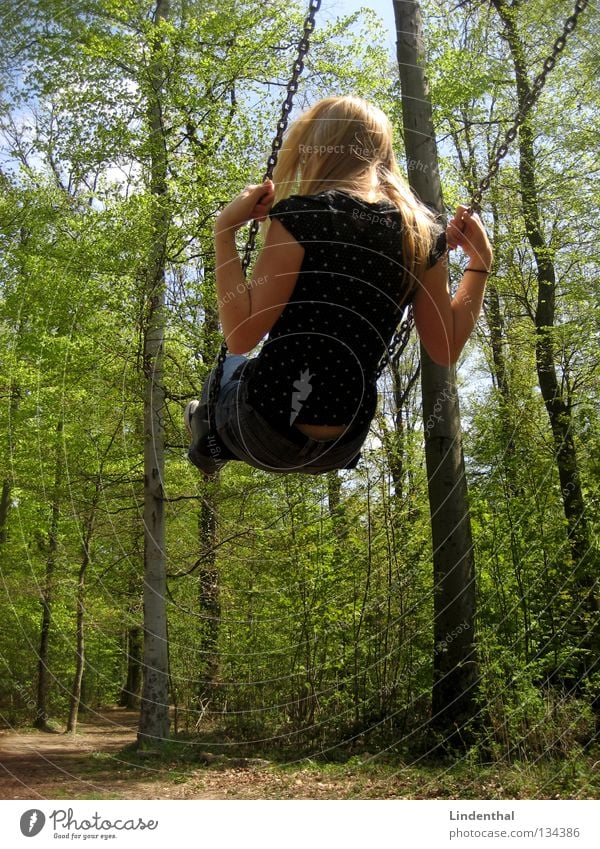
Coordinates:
346 143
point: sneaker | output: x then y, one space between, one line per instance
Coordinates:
188 416
195 419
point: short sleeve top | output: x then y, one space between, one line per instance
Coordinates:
319 362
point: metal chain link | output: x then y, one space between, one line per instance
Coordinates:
286 108
398 343
529 101
402 334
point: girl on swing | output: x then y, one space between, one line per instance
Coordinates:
348 247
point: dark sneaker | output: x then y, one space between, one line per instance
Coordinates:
196 423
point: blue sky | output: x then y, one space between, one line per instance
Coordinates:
384 8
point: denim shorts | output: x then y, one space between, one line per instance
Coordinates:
247 436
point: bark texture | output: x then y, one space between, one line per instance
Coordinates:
455 672
154 715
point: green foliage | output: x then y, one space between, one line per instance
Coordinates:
324 634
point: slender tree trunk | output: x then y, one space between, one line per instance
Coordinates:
557 406
398 443
4 507
15 397
334 492
496 326
395 441
79 634
154 715
209 588
88 531
209 598
455 673
336 510
41 711
497 341
130 694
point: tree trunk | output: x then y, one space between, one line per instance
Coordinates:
209 588
41 711
209 598
557 406
154 715
130 694
80 621
455 673
395 442
131 691
15 397
334 493
88 531
4 506
79 643
337 511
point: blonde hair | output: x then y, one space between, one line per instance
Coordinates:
346 143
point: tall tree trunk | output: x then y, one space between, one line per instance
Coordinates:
209 579
209 598
79 633
334 493
455 673
41 711
130 698
131 691
4 507
337 512
88 531
395 441
557 405
496 326
15 397
154 715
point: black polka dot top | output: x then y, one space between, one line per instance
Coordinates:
319 362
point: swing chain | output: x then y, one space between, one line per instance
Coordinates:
398 343
286 108
401 336
529 101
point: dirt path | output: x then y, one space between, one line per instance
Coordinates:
37 765
40 765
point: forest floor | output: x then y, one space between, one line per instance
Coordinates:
101 763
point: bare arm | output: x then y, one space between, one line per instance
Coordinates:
444 324
249 309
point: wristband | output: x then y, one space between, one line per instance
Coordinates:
478 270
